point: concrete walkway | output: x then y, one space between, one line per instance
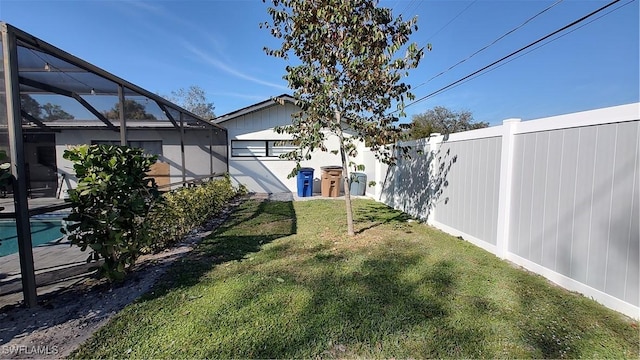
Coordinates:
286 196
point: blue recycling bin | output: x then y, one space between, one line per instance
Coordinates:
305 182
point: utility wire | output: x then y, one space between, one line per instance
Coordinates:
414 9
490 44
538 47
450 21
544 44
408 5
511 54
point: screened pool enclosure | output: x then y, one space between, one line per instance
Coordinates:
51 100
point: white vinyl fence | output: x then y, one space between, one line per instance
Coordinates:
559 196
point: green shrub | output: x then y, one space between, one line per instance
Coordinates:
110 204
181 210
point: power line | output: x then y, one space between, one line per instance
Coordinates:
409 4
490 44
538 47
548 42
512 54
450 21
414 8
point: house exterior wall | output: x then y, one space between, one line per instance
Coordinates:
559 196
198 159
262 174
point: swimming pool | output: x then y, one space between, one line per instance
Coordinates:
44 228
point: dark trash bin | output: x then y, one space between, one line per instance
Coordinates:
358 183
331 180
305 182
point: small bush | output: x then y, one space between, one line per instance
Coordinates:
110 204
181 210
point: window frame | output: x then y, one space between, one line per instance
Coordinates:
129 143
266 149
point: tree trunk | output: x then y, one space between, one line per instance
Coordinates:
347 192
345 177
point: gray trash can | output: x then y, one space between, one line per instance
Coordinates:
358 183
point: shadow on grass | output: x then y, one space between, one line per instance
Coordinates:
314 298
348 314
232 241
561 325
376 216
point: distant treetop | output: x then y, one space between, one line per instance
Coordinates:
193 99
444 121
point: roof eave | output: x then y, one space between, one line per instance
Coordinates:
253 108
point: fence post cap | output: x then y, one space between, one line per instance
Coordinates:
511 120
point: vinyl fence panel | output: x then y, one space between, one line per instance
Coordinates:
559 196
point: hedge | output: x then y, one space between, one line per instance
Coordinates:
182 210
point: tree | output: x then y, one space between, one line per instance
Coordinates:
51 111
442 120
193 99
132 109
30 105
54 112
349 76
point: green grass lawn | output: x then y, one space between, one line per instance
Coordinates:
282 280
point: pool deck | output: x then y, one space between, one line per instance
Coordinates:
8 205
57 265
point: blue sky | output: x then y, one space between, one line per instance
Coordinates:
217 45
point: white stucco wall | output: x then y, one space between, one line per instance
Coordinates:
269 174
198 162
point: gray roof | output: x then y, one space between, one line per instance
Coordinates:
255 107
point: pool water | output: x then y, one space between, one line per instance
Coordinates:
42 232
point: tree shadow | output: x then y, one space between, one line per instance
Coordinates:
282 210
226 244
94 299
371 216
555 331
412 186
362 308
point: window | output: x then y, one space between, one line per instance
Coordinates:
279 147
248 148
261 148
150 147
153 147
46 156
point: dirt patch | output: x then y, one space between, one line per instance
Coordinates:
64 320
